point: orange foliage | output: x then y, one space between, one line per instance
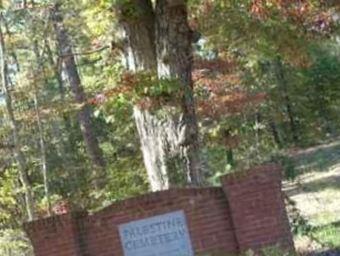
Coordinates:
223 105
222 85
296 9
127 82
59 208
314 18
217 65
217 78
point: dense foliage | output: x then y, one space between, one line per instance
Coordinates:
266 78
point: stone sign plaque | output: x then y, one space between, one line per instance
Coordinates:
162 235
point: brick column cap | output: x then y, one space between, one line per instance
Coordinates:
54 223
262 171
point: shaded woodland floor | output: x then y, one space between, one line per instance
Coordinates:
316 191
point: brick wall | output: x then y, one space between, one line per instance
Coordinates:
247 212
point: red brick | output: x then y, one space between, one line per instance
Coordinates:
247 212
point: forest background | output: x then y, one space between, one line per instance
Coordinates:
102 100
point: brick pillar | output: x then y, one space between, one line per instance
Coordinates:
54 236
257 208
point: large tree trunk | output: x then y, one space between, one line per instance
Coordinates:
140 55
19 156
84 116
174 59
169 144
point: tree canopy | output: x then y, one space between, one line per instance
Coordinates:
103 100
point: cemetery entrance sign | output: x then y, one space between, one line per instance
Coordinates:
165 235
196 220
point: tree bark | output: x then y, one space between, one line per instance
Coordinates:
323 112
281 78
19 156
57 71
169 144
174 59
84 115
12 53
69 144
140 55
43 158
274 131
43 154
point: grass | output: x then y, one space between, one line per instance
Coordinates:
328 234
316 191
